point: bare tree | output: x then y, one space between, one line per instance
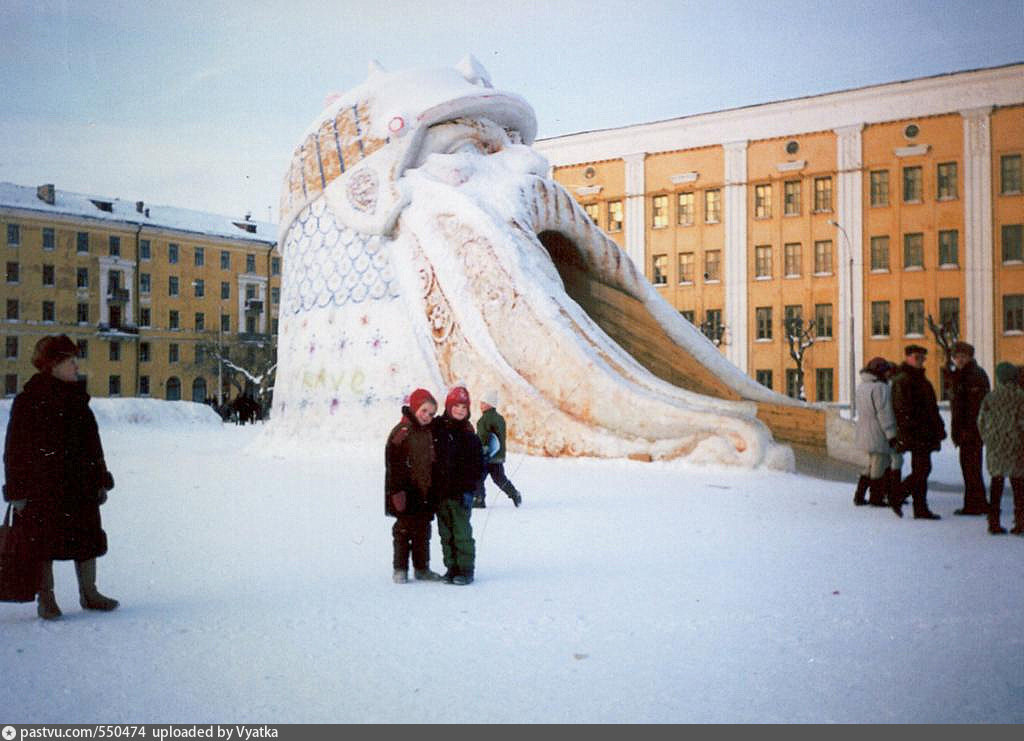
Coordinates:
249 367
800 336
946 334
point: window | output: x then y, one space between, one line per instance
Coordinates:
763 261
82 242
764 377
48 275
275 295
949 313
49 238
143 352
823 257
145 316
1009 174
114 386
880 253
793 254
225 260
879 187
946 181
144 283
83 349
49 312
250 291
792 384
763 316
200 323
114 243
791 202
1013 242
823 381
1013 312
948 252
688 315
593 210
114 280
823 321
712 265
822 194
200 354
615 216
11 347
880 319
83 313
82 277
713 206
684 215
686 264
173 320
250 324
172 253
199 257
250 263
143 385
660 270
173 389
172 285
225 289
199 288
763 201
913 317
13 234
659 212
913 251
713 322
12 309
145 250
273 326
225 322
13 272
913 186
10 384
172 352
115 351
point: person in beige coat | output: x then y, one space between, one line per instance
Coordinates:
1001 424
876 427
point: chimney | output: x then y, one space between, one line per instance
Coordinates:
139 205
248 215
45 193
147 213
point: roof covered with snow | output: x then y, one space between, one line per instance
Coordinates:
117 211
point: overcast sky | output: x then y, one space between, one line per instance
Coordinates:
199 104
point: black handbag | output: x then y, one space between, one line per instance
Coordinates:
19 573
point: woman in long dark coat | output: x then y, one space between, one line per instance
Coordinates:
56 476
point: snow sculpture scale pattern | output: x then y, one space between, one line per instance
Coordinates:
417 227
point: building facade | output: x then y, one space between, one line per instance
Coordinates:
151 294
864 212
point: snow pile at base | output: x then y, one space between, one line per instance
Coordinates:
115 414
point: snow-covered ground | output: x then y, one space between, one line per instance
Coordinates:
256 587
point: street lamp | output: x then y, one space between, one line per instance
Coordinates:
853 341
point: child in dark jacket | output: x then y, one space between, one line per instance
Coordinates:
462 463
410 486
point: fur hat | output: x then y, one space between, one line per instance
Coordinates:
878 366
911 349
458 395
52 350
965 348
490 398
419 397
1006 373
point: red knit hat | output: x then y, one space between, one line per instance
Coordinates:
419 397
52 350
458 395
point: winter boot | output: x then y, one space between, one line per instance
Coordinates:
47 608
995 506
516 497
478 501
426 575
862 487
463 578
877 489
449 576
90 597
400 576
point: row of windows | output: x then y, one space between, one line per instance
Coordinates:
914 317
48 313
763 261
793 318
172 388
824 381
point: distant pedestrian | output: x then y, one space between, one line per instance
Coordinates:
56 474
1001 424
492 423
919 430
410 487
968 385
461 458
876 431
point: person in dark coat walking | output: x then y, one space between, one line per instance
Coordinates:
492 423
410 487
461 457
919 430
968 385
56 475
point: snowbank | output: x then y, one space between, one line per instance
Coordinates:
114 414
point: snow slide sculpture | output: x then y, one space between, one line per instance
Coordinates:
424 243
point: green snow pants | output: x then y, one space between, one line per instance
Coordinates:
456 536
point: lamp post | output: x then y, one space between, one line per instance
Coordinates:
853 340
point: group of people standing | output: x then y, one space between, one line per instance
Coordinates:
898 414
437 466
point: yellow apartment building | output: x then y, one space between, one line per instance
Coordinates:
149 293
867 211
